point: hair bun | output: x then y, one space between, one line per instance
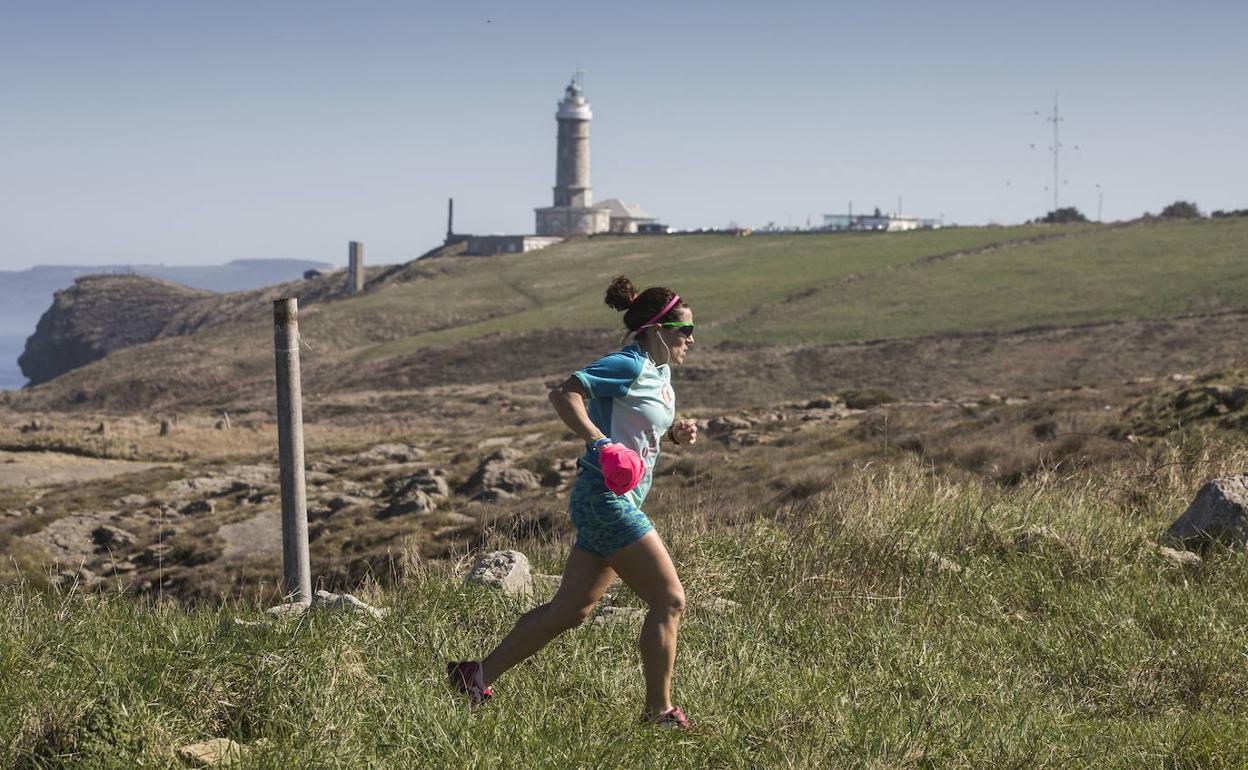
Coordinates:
621 293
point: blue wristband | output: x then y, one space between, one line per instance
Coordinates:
599 444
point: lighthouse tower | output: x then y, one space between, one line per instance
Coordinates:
573 212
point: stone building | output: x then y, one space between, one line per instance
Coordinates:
625 217
573 212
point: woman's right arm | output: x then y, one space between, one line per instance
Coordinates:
568 398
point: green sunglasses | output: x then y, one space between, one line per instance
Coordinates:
686 327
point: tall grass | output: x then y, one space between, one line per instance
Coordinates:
897 619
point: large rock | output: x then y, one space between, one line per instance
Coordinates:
199 486
1219 513
721 427
418 494
507 571
497 477
387 453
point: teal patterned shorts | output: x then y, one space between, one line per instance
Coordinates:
604 521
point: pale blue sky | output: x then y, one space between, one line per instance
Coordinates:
199 132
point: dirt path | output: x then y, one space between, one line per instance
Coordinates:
44 469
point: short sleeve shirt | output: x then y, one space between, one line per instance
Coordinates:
632 402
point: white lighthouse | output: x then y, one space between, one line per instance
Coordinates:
573 212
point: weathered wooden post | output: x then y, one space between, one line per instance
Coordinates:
297 573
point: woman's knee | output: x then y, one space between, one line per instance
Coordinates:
672 602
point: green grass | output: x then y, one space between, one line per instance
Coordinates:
1155 271
1078 646
562 287
812 289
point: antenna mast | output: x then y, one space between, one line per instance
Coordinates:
1055 120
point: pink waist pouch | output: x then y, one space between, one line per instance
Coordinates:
622 468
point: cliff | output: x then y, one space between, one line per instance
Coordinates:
100 314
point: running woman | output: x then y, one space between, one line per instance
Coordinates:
619 405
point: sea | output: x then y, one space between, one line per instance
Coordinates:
10 374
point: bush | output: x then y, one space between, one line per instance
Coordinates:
1064 216
1181 210
865 398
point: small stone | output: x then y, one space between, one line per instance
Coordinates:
289 610
211 752
1181 558
326 600
610 616
720 605
133 501
507 571
944 564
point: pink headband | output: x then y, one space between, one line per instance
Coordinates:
660 314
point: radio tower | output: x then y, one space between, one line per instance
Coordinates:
1055 120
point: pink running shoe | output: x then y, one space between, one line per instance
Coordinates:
467 677
673 719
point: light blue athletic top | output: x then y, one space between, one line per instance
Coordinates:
631 401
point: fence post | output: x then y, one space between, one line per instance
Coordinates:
297 574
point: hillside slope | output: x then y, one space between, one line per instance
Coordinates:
446 320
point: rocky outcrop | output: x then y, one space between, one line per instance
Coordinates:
498 478
98 315
101 314
417 494
1219 513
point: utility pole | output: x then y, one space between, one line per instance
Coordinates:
1100 200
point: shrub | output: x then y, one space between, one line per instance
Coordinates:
1063 216
1181 210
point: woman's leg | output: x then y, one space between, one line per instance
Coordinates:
585 579
647 568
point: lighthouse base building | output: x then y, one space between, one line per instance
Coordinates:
565 221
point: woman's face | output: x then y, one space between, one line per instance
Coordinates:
675 338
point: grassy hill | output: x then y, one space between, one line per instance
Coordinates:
532 311
947 559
